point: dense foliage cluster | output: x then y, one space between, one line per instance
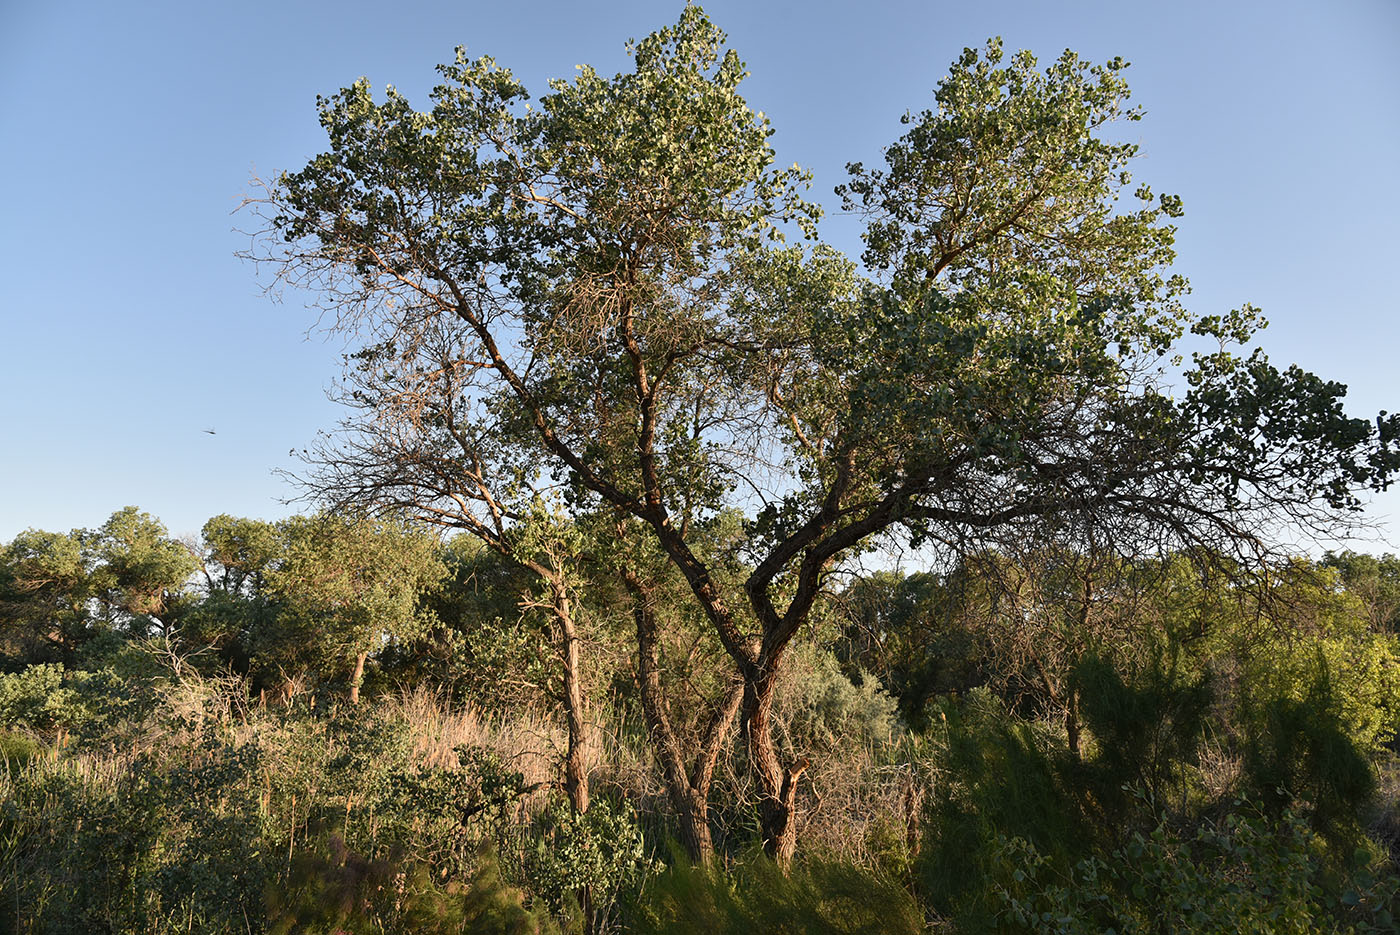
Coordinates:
1213 751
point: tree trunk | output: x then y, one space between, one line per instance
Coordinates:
1072 723
356 676
913 805
688 789
777 811
575 765
694 814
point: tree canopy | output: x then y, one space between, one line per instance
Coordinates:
592 298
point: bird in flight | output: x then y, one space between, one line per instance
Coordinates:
210 432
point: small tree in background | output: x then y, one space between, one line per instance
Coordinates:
349 585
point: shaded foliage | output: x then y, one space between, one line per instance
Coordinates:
822 897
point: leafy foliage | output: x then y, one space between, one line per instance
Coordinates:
1243 875
823 897
350 584
332 890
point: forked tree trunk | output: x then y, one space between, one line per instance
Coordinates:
777 806
687 788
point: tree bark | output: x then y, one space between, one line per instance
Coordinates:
1072 723
575 766
356 676
1072 695
777 807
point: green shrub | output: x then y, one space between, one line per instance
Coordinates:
1302 750
601 852
36 698
332 890
1146 729
821 708
86 702
815 897
490 906
436 815
1004 778
172 841
17 749
1237 877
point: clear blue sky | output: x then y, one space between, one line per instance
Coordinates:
129 131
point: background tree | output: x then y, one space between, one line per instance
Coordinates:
600 278
45 595
142 575
1375 580
237 616
58 591
483 648
914 634
350 585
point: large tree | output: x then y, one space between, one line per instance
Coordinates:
594 291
